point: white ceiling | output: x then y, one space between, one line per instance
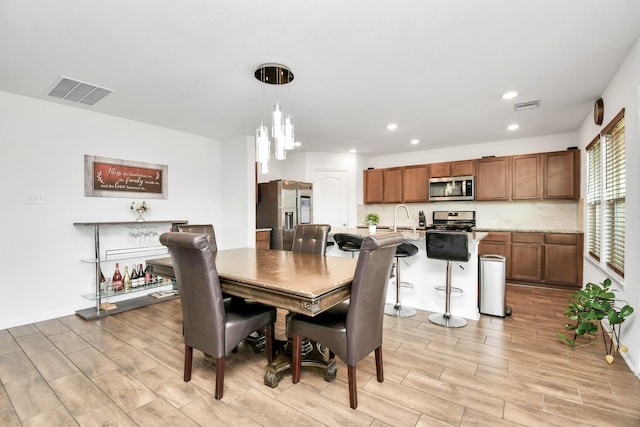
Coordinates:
436 68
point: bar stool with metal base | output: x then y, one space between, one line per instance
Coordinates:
405 249
348 242
449 246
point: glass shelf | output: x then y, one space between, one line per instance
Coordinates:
109 294
130 253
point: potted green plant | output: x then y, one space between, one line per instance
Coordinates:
587 308
372 220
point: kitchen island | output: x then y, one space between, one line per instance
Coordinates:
426 274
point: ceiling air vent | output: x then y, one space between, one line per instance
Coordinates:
77 91
527 105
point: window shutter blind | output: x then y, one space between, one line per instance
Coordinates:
615 191
594 196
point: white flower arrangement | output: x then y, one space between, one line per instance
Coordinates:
140 206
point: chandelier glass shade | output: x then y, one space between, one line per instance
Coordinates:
282 130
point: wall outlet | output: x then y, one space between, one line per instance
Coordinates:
34 199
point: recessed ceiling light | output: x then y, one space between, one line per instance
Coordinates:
353 150
513 126
392 126
509 95
297 144
415 141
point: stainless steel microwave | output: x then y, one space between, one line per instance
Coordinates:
454 188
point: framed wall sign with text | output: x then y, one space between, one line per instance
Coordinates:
104 177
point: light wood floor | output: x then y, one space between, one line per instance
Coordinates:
127 370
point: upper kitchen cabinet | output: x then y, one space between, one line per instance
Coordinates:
463 168
415 181
561 174
383 185
373 186
493 178
447 169
392 185
527 177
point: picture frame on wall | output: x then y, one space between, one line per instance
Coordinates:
106 177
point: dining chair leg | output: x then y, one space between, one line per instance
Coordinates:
188 360
379 372
353 392
269 336
297 358
219 377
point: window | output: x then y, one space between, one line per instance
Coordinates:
594 196
606 191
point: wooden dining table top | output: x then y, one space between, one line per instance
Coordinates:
299 282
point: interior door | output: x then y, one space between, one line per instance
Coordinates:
330 198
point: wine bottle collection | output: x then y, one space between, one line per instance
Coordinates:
138 277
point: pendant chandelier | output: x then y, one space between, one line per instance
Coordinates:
282 130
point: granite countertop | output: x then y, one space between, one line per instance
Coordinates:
528 230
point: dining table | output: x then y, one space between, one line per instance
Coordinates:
298 282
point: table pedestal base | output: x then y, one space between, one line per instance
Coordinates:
313 355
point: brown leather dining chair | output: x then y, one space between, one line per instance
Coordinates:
352 330
201 229
211 324
311 238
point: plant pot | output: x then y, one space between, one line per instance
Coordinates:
372 229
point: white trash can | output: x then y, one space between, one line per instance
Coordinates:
492 280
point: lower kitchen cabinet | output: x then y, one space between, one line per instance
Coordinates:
544 259
498 243
563 259
263 239
526 256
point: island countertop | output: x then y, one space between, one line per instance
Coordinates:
407 233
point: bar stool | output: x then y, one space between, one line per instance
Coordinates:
448 246
405 250
348 242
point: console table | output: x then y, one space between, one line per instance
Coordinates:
101 295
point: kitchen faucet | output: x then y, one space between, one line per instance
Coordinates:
395 216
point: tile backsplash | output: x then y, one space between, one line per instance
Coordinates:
541 215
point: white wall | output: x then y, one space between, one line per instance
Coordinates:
623 92
238 200
42 148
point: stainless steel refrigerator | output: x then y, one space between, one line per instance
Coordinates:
281 206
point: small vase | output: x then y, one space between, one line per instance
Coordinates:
372 229
140 218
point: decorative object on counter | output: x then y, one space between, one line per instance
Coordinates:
587 308
140 208
372 220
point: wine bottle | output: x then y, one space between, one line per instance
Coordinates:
134 276
116 280
147 275
127 278
140 275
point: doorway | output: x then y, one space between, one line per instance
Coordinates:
331 202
